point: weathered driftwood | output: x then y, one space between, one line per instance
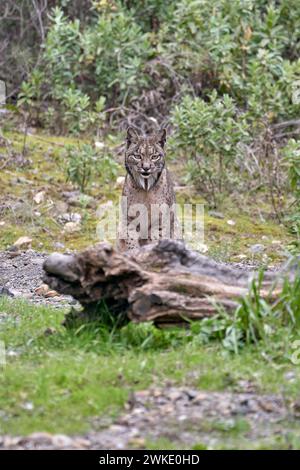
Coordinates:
166 283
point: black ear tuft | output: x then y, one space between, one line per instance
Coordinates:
161 137
132 136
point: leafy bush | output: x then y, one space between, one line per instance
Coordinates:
104 61
114 51
239 48
149 14
133 53
291 154
209 134
85 163
225 71
256 319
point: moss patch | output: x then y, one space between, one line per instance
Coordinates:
22 216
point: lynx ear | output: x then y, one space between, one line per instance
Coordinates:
132 136
161 137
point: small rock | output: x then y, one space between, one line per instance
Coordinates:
58 245
51 293
16 293
120 181
257 248
61 207
99 145
61 440
10 441
267 406
276 242
5 291
39 197
175 395
199 397
81 443
69 217
191 394
23 242
138 442
182 418
246 386
167 409
42 290
11 353
29 406
40 436
230 222
13 248
216 215
202 248
13 252
241 256
71 227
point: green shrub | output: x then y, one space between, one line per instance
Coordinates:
102 61
114 50
149 14
209 134
247 49
84 164
242 48
257 318
291 153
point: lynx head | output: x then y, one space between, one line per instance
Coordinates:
145 157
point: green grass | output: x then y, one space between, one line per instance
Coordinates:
18 185
225 242
59 382
288 441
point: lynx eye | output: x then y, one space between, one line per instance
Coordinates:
154 158
136 156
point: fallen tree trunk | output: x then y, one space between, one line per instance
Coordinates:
166 283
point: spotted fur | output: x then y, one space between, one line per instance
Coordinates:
147 182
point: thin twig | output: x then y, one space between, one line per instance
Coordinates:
292 122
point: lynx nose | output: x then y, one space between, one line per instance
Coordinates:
146 166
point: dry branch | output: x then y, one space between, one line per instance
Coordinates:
166 282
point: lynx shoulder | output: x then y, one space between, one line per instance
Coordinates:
148 198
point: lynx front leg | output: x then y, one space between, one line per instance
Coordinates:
129 236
